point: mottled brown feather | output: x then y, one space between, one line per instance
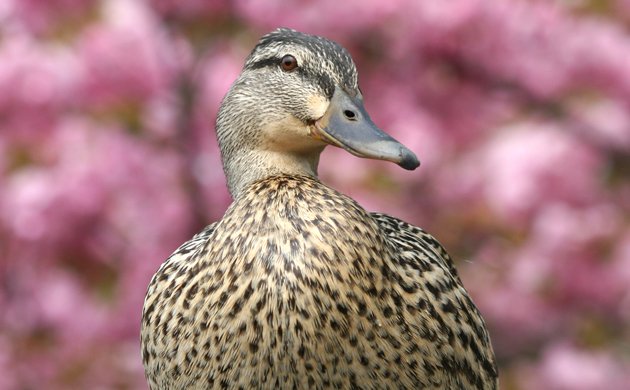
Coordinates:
297 286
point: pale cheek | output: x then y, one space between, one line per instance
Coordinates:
317 106
283 133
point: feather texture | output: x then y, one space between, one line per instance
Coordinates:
297 286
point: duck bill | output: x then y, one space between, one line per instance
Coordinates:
347 125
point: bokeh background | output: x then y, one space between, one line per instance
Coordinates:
519 111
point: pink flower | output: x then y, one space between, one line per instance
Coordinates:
190 9
528 165
37 80
606 121
108 161
320 17
128 57
41 16
564 366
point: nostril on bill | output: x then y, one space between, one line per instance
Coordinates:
351 115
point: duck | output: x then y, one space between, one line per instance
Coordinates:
298 286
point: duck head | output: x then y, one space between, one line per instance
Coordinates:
296 94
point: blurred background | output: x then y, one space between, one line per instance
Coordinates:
518 110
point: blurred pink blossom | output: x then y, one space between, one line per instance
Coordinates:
623 6
40 16
565 367
127 58
37 80
190 8
608 122
517 110
352 17
529 163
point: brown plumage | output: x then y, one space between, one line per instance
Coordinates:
297 286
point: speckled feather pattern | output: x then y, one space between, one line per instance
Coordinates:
297 286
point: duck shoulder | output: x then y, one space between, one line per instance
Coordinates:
419 250
413 241
166 283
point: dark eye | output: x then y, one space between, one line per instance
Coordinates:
288 63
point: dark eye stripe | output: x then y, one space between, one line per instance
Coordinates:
324 81
264 63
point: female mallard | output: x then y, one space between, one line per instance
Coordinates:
298 286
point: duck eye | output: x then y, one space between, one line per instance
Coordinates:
288 63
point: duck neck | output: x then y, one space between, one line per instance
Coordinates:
259 140
247 167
